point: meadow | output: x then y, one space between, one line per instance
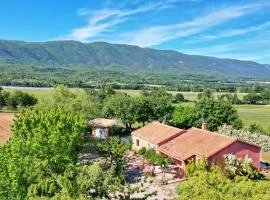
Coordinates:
259 114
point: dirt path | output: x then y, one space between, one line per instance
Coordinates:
5 126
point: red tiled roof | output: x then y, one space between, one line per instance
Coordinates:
157 133
196 141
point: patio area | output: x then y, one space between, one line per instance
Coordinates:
162 182
139 168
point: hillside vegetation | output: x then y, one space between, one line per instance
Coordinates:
72 54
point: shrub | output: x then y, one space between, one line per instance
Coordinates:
240 167
253 137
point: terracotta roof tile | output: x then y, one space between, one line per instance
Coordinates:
157 133
196 141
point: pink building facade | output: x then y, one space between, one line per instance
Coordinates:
240 150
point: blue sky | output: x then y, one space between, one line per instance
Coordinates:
229 29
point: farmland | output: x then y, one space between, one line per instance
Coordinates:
259 114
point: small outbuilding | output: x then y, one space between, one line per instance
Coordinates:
101 127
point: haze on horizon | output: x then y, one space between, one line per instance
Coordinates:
227 29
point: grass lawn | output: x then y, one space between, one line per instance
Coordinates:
259 114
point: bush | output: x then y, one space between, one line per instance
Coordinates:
237 167
253 137
142 151
178 98
252 98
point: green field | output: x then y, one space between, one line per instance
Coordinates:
259 114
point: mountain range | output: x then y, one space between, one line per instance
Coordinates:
73 54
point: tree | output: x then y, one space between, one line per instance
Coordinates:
78 101
2 100
42 146
114 149
122 107
216 113
207 93
178 98
16 99
101 94
210 183
143 109
231 98
161 102
252 98
266 95
184 117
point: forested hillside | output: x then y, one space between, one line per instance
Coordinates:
76 55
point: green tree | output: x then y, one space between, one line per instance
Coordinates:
207 93
101 94
205 182
122 107
252 98
184 117
178 98
2 100
78 101
17 99
216 113
143 109
161 103
114 149
42 146
266 96
232 98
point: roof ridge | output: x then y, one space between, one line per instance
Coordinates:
213 133
166 125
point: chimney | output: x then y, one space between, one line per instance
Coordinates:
205 126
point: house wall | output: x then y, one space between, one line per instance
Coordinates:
142 143
240 150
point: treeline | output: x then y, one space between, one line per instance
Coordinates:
256 98
158 105
250 98
16 99
32 76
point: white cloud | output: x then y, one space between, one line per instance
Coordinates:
158 34
229 33
102 20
